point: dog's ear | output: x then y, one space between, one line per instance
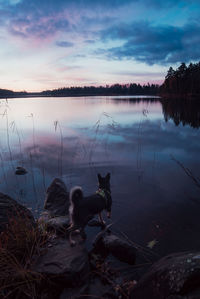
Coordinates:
99 177
108 176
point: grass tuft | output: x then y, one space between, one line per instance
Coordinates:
19 243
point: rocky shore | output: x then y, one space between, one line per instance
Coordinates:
37 261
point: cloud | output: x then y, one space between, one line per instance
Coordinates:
42 28
161 44
89 41
159 4
138 74
64 44
42 18
36 19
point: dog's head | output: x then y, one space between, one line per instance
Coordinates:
104 184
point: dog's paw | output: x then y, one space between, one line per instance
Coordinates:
103 223
109 215
77 231
83 235
72 243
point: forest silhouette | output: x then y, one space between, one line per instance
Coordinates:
184 82
108 90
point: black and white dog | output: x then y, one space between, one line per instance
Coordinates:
82 209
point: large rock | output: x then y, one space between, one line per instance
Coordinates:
95 288
65 265
175 276
56 224
56 208
10 209
119 248
75 293
57 199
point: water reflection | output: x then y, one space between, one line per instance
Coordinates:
186 112
131 138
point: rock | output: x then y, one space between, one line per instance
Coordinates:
57 199
95 288
75 292
56 224
99 289
20 170
95 223
55 217
10 208
118 247
176 276
102 233
65 265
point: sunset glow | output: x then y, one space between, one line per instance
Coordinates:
47 44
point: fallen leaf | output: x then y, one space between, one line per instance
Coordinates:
152 243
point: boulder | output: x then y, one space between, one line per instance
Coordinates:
99 289
56 224
75 293
95 288
9 209
20 170
116 246
65 265
176 276
57 199
95 223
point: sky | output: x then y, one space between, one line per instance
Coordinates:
47 44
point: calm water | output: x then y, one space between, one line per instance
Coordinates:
134 139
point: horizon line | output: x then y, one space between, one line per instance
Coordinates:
78 86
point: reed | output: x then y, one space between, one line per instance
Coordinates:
18 243
187 171
60 158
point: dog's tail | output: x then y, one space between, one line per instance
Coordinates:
75 195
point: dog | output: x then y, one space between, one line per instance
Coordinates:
83 209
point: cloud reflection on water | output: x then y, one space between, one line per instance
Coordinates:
134 146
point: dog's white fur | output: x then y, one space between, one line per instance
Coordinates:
71 207
88 207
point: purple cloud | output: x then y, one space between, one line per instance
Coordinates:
161 44
64 44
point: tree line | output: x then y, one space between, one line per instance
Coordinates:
108 90
182 82
6 93
116 89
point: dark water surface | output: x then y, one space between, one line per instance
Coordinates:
133 138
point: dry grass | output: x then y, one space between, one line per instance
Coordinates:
18 244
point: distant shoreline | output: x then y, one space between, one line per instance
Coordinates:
80 95
85 91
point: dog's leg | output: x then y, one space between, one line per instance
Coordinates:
70 230
83 234
77 231
72 242
101 220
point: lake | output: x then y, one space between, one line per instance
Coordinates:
147 146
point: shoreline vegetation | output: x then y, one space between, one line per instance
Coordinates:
108 90
182 83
